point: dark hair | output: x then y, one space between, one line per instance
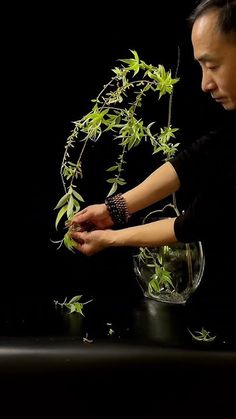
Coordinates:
226 17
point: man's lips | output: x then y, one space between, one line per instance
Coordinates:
218 99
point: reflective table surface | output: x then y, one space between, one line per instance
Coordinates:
130 353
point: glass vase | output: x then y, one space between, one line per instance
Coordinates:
169 274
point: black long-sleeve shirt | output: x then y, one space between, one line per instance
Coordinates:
207 173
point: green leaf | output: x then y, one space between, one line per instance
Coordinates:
113 189
62 201
112 180
70 206
75 299
111 169
69 242
120 181
71 307
79 308
78 196
60 215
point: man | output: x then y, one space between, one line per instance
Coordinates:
205 171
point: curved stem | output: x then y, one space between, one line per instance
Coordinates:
171 96
187 246
189 263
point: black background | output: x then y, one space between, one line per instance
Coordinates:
57 59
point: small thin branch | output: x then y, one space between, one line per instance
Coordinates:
171 96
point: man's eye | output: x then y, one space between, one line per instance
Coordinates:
212 67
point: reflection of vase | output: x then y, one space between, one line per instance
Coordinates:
169 273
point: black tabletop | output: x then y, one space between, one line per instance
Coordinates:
113 355
127 356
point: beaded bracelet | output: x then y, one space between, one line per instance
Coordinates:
117 208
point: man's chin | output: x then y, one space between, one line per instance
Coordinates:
226 107
229 105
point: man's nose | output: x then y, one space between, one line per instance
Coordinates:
208 83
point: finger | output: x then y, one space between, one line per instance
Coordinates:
79 247
81 216
82 226
76 236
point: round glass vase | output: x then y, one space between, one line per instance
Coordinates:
169 274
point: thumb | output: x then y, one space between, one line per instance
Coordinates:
81 217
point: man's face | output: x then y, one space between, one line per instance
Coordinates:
216 54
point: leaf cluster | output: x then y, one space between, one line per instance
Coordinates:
74 305
117 110
202 335
161 277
